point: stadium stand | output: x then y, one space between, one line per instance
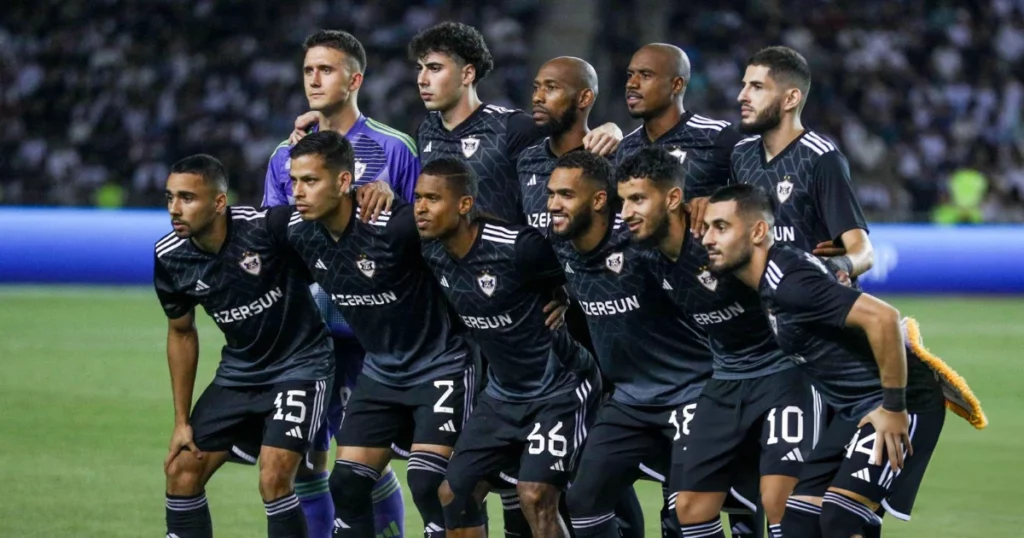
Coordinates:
98 97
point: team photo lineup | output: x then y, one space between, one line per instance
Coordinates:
538 309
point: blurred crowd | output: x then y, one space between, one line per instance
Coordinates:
98 97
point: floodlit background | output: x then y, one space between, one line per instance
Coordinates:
99 97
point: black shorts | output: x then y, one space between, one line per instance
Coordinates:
843 459
434 412
242 419
540 441
774 420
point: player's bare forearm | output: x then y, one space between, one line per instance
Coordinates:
859 251
881 323
182 360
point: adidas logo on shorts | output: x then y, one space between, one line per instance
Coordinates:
295 432
558 466
447 427
794 455
863 474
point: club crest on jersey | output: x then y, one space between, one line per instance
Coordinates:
614 262
366 266
679 154
488 283
707 279
469 146
251 263
784 189
360 169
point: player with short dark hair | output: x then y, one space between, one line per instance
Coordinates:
268 395
755 402
817 210
418 376
851 346
542 385
656 82
655 384
333 66
452 59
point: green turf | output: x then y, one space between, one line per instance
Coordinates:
86 416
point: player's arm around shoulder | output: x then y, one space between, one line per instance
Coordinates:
850 249
537 262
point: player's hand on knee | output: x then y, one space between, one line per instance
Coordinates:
892 435
604 140
181 439
303 124
374 198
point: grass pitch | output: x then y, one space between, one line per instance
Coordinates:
86 417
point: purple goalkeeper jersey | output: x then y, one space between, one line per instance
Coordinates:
381 153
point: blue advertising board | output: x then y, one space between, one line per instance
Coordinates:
90 246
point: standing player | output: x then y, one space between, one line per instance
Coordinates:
655 384
757 403
817 210
542 385
564 92
275 370
418 376
850 345
332 75
452 59
656 83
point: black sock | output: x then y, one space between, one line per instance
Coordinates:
741 525
285 518
352 492
516 525
708 529
801 519
188 517
424 475
669 521
775 531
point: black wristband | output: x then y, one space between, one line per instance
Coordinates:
894 400
843 263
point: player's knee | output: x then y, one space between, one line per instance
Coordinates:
774 502
444 492
426 488
352 488
461 509
276 481
184 474
845 518
694 507
579 502
538 498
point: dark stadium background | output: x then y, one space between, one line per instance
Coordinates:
98 97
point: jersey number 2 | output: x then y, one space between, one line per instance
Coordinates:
290 400
449 387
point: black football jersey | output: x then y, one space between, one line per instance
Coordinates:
807 308
810 180
534 167
499 289
703 146
376 276
257 294
644 345
740 340
490 140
